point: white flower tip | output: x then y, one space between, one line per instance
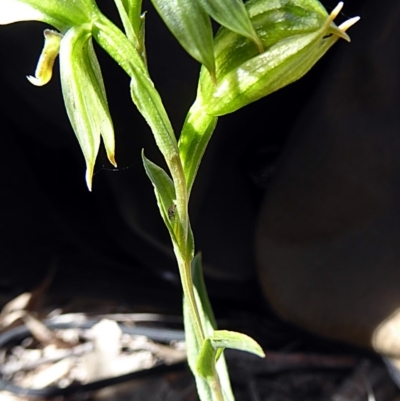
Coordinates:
36 81
336 11
44 69
349 23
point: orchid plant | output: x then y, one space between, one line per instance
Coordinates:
261 46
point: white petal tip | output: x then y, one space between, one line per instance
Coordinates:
349 23
36 81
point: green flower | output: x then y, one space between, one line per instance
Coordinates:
81 80
295 35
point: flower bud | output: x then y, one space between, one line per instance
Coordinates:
295 35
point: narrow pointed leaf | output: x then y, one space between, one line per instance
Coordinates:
214 345
106 125
134 11
165 193
191 26
144 95
194 138
232 14
149 103
126 21
233 340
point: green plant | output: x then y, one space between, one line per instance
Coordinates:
261 46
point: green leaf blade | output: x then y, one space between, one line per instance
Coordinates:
232 14
233 340
191 26
164 190
60 14
196 133
126 21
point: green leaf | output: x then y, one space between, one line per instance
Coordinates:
132 19
191 26
143 93
200 285
84 96
126 21
205 364
230 339
134 11
149 103
214 345
194 138
60 14
165 193
232 14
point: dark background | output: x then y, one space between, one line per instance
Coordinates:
111 243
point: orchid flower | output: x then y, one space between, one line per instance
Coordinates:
81 79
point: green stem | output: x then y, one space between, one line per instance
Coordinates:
183 170
187 285
147 98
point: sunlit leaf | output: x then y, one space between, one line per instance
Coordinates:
165 193
195 135
60 14
232 14
122 7
191 26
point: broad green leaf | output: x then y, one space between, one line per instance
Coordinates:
232 14
194 138
84 96
165 193
191 26
60 14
